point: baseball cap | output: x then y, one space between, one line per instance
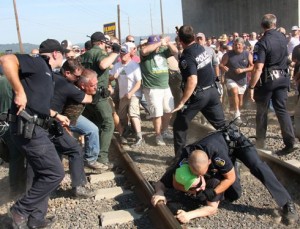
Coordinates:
200 35
51 45
127 47
295 27
98 36
153 39
184 176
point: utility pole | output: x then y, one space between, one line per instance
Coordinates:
162 19
18 28
119 25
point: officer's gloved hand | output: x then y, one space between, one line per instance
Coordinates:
104 92
207 194
116 48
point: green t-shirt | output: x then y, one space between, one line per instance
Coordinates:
5 94
154 67
91 60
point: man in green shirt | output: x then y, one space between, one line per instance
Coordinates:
155 76
101 114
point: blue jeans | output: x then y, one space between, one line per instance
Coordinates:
91 137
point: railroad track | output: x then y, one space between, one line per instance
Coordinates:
161 216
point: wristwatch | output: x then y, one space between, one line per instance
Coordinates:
250 87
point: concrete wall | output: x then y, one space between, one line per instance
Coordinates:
214 17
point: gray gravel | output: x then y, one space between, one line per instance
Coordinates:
255 209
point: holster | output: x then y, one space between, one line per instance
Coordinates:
26 124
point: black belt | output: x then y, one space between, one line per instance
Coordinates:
42 122
199 89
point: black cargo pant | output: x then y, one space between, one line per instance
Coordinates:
67 145
277 91
208 102
48 173
247 154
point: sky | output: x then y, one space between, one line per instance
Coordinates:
75 19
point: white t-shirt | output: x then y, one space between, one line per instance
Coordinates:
293 42
127 75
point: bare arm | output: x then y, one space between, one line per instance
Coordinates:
87 99
10 66
258 67
145 51
64 120
210 209
134 89
159 193
226 182
187 92
250 65
108 61
223 63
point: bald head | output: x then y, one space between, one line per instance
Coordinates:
199 162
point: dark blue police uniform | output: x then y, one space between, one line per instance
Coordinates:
271 50
36 78
65 91
196 61
223 156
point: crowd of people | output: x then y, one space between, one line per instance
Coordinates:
61 90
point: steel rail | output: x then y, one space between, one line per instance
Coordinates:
160 215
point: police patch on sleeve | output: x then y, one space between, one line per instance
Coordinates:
219 162
183 64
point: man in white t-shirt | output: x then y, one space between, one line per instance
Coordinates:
128 74
294 40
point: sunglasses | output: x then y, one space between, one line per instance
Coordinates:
131 41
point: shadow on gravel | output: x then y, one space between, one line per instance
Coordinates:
152 159
242 208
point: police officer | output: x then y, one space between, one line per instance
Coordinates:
31 80
190 178
65 144
199 91
101 113
223 148
271 80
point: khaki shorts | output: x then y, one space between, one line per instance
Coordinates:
232 84
129 107
159 101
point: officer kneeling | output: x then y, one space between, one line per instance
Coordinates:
189 176
222 148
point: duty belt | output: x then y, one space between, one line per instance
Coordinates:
32 119
199 89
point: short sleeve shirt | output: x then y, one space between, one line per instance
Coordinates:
36 77
271 50
127 75
65 92
196 61
155 71
91 60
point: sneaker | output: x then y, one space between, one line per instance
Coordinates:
95 165
167 135
123 140
289 213
160 141
83 192
138 142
